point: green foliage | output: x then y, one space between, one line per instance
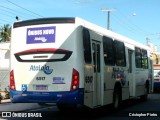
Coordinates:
5 33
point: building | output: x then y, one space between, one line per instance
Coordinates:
4 67
154 52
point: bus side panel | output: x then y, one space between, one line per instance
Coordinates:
109 83
141 75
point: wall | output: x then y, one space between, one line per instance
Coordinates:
4 65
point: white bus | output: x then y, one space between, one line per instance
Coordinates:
69 61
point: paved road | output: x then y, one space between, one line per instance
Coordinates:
128 111
131 109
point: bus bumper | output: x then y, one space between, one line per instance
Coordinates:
74 97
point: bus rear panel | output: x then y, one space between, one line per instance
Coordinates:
43 67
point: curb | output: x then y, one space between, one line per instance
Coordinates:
5 101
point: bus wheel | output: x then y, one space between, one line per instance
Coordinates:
145 96
66 107
116 99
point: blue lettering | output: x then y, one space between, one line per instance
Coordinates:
44 68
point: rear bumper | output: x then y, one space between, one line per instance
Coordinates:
75 97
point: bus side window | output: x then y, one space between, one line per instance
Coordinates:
144 59
87 46
138 57
108 51
120 57
98 58
94 55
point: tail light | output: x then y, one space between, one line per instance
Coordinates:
75 80
12 82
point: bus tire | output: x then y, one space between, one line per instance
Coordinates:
145 96
116 99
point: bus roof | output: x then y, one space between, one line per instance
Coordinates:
111 34
82 22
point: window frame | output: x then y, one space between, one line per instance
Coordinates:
108 52
87 46
120 58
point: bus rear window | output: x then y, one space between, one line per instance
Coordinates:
43 55
44 21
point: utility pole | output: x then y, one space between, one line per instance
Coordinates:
108 16
148 41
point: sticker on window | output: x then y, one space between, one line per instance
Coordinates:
58 80
24 87
41 35
40 87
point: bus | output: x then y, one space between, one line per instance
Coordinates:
156 77
70 61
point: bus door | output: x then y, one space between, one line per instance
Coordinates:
130 72
96 46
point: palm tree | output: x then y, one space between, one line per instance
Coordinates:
5 33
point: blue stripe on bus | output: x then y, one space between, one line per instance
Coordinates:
156 84
74 97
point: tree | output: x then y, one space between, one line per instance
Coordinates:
5 33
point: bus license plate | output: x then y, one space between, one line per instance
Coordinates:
41 87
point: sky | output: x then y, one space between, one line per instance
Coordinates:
135 19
